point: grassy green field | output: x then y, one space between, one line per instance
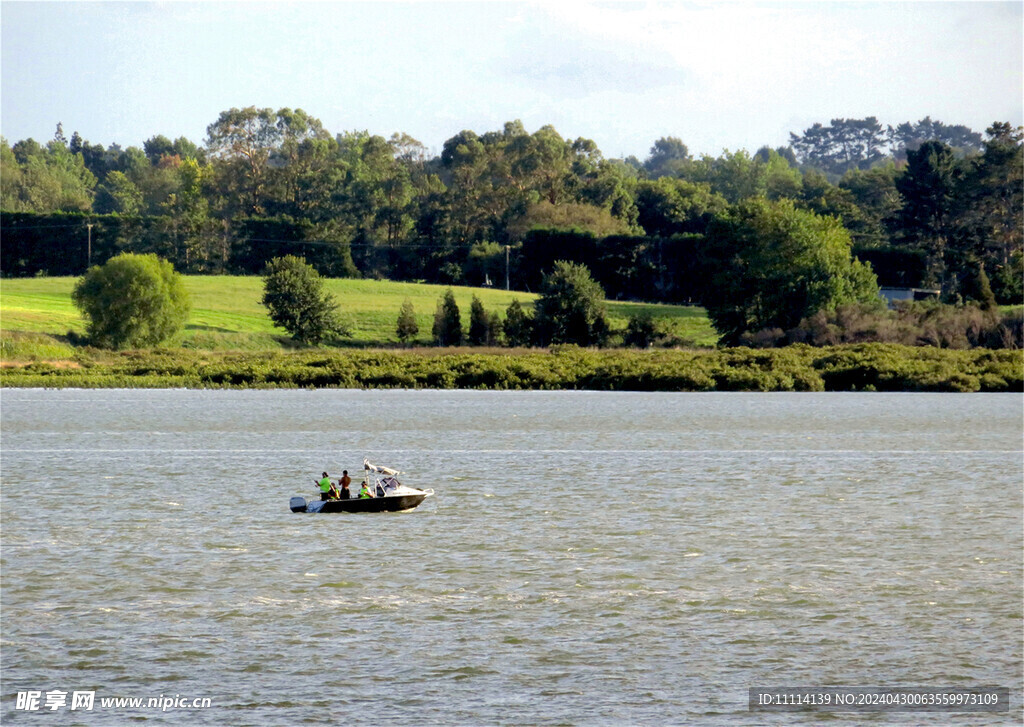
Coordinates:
230 342
227 313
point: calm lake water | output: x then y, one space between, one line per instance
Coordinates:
589 558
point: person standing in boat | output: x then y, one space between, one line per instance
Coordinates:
345 481
327 491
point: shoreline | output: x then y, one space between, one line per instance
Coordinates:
851 367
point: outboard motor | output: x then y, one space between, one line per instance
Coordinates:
298 504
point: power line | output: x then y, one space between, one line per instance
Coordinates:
379 246
40 227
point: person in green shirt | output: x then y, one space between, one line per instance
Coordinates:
327 491
364 491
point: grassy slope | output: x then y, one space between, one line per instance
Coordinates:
227 314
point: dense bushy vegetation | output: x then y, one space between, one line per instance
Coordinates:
865 367
775 264
927 204
132 301
926 323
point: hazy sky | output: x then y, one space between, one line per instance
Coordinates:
715 74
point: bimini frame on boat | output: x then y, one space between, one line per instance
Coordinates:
389 495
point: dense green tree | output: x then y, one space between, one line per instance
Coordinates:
909 137
132 301
1008 281
309 181
990 197
377 198
571 307
407 328
928 187
133 162
605 183
157 183
539 163
118 195
241 142
45 179
734 175
877 201
771 264
157 147
975 285
765 154
674 206
822 197
567 216
197 237
296 301
485 265
97 160
641 331
517 326
781 179
11 180
667 158
497 181
842 145
737 175
475 203
495 329
188 149
479 324
447 328
303 160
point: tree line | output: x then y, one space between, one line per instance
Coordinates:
924 204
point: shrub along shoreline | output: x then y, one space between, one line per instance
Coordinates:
853 367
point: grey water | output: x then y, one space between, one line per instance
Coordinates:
588 558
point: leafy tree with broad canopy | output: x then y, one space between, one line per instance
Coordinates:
132 301
771 264
293 294
571 307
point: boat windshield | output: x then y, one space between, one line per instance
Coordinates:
385 479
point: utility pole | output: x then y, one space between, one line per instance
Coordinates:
506 267
88 263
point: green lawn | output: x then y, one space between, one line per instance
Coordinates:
227 313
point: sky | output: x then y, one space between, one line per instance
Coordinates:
718 75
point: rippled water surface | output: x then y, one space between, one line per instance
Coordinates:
589 558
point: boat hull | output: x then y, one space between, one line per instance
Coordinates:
390 503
